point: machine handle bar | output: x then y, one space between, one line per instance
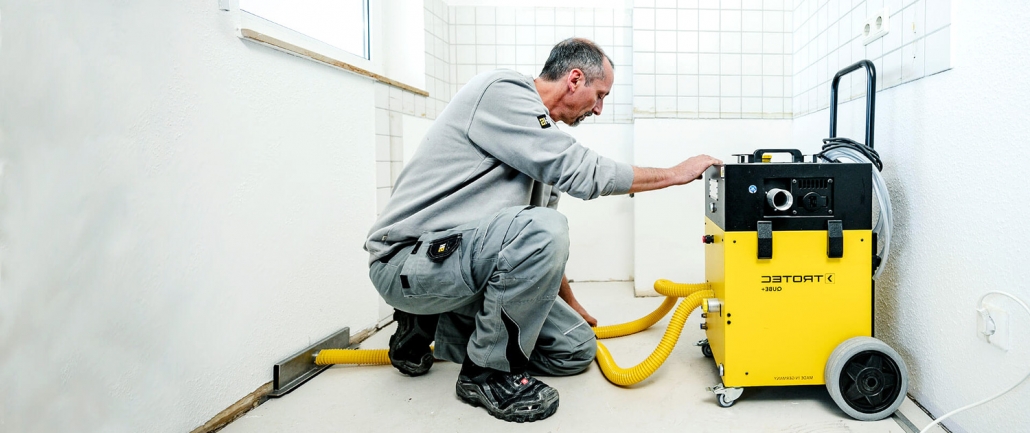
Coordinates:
870 98
796 154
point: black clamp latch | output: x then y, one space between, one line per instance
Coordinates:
765 249
834 239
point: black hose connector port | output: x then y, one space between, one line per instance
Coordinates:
870 99
780 199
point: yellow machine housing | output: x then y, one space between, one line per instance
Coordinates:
781 318
788 295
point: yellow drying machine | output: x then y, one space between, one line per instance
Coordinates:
790 255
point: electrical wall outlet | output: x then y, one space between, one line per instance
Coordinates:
992 325
877 25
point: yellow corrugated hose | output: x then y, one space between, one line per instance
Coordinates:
629 376
351 356
693 293
664 287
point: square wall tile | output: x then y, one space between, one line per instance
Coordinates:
708 42
665 85
708 20
565 17
686 107
665 63
644 19
913 61
752 43
644 40
643 85
730 20
708 64
687 63
708 85
664 19
665 41
687 19
938 51
486 15
644 63
686 85
687 42
730 85
938 15
751 86
665 106
708 107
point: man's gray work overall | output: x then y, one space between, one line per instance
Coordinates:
495 282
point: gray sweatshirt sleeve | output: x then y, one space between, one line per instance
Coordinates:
513 126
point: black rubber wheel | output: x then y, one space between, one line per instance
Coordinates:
706 350
866 378
725 403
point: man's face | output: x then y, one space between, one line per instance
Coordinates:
588 100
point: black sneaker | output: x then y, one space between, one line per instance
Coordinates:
509 396
409 346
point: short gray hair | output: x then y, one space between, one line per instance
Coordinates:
575 53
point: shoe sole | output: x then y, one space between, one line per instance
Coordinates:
469 393
408 367
413 369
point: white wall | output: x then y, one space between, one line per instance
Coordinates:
403 41
601 230
180 210
668 223
954 159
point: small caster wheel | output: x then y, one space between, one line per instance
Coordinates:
726 396
706 350
724 402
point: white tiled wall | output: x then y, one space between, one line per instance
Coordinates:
438 56
520 38
392 103
712 59
828 37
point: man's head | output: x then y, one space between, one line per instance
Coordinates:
584 75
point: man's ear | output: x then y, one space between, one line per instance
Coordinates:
576 79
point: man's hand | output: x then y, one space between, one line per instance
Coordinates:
565 292
693 168
583 312
648 179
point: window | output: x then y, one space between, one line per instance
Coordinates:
343 24
352 35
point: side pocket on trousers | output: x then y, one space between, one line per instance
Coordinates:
435 269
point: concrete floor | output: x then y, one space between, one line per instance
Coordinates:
349 398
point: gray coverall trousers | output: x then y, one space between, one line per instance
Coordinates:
496 292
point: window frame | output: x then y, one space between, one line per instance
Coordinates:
255 28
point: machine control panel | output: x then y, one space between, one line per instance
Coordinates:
796 195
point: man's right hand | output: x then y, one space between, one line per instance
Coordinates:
693 168
648 179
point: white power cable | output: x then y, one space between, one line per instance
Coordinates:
949 414
886 219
